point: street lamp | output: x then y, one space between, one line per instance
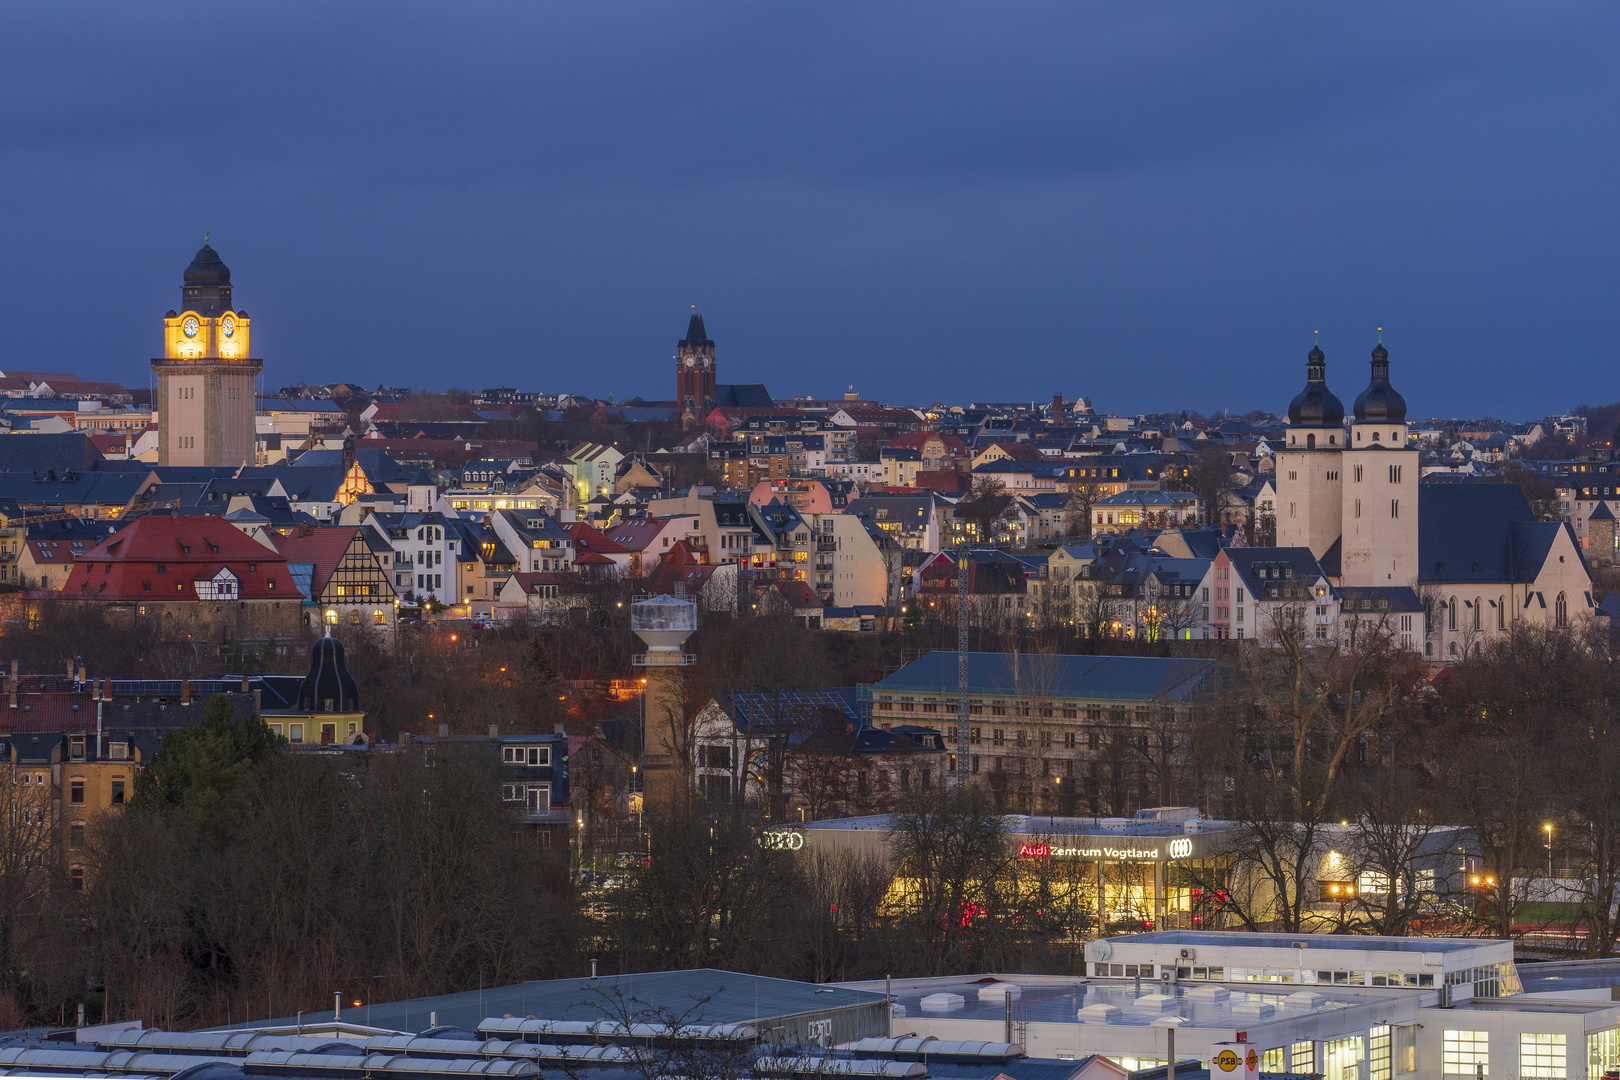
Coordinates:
1548 827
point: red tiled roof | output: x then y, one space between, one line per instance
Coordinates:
916 440
588 538
942 480
322 545
637 535
126 565
799 594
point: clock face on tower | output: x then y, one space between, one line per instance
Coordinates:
227 325
690 361
189 327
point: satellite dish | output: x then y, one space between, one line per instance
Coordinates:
1102 949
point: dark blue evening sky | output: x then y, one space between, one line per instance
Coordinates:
1151 204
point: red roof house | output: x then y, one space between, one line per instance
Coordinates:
159 557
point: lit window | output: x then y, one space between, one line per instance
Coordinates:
1464 1052
1542 1057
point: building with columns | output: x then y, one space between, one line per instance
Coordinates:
206 381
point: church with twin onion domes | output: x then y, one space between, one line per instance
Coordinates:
1464 560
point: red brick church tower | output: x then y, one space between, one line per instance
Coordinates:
694 369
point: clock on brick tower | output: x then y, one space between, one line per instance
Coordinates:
206 382
694 369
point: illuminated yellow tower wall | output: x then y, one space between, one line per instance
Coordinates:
207 382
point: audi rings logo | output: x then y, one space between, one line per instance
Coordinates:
781 840
1180 848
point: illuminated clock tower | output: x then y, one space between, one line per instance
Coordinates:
206 383
694 369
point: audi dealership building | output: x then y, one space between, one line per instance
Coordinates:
1166 868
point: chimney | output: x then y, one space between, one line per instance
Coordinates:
444 731
81 674
244 684
185 691
1057 406
559 729
494 731
12 683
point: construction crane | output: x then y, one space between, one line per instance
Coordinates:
40 519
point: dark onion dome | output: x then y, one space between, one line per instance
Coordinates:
1379 403
328 687
1315 406
173 314
207 269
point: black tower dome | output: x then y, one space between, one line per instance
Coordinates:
207 284
207 268
1379 403
1315 406
328 688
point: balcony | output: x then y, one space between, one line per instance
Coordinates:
826 543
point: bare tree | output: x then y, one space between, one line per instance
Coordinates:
986 508
1083 493
1290 724
953 851
1514 714
1394 832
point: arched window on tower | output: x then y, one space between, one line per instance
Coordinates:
1310 442
1451 614
1501 613
1561 611
1478 603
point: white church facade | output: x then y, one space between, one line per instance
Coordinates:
1471 554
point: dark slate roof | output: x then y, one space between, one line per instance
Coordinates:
1399 599
187 474
1332 560
1203 543
68 451
377 465
1600 513
1138 678
311 483
696 337
742 396
797 709
100 489
1292 564
1480 533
